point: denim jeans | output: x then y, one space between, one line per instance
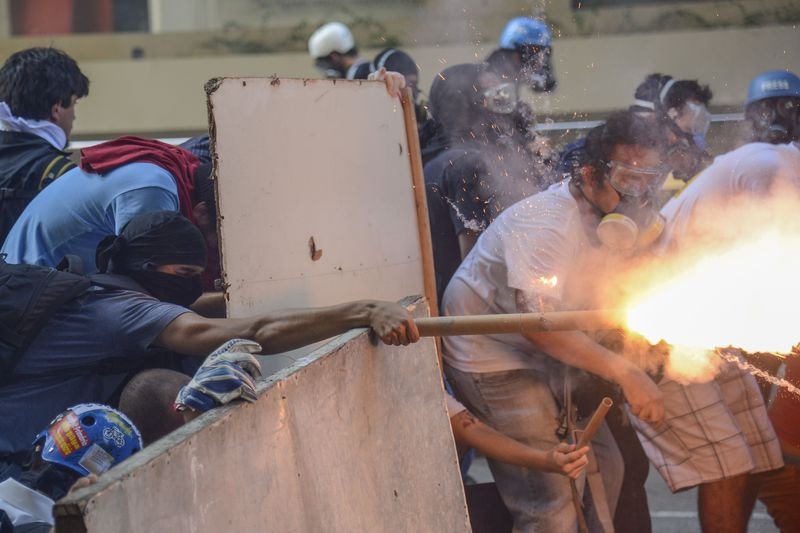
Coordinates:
521 404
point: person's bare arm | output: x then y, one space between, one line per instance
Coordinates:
210 305
283 330
575 348
562 459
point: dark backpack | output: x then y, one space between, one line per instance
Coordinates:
35 169
29 295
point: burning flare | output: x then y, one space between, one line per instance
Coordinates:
745 296
551 281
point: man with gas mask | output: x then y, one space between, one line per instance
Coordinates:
627 234
680 107
772 107
524 57
91 345
772 111
477 166
543 254
741 192
524 54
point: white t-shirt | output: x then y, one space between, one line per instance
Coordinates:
24 505
728 185
453 406
534 246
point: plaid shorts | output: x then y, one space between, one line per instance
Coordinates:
711 431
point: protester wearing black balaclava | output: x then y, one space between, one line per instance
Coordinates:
153 240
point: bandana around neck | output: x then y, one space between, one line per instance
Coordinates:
45 129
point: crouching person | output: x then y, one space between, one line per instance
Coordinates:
91 345
228 373
77 446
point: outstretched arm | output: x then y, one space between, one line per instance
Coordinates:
283 330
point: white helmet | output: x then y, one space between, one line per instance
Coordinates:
330 37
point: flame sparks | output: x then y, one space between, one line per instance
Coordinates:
551 282
745 296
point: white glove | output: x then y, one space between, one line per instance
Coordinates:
229 372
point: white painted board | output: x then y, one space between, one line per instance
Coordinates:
353 438
313 158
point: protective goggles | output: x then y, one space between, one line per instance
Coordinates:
636 181
765 111
700 118
501 99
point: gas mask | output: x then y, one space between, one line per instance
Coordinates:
499 104
684 158
690 124
634 223
692 118
774 120
500 99
537 70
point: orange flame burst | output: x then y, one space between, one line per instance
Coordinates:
551 281
745 296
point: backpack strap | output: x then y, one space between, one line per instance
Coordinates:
116 281
57 166
75 265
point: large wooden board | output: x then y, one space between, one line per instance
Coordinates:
313 159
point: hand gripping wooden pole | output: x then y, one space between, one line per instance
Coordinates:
517 323
586 436
594 423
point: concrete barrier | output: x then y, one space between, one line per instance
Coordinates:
353 437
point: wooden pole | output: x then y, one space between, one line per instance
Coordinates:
517 323
594 423
418 184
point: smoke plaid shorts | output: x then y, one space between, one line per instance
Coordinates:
711 431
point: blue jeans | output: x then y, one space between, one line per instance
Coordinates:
521 404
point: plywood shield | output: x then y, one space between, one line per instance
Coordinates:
316 193
354 437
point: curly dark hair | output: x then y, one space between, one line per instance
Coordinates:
624 128
677 95
33 80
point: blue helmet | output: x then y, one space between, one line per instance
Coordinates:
89 438
772 84
524 31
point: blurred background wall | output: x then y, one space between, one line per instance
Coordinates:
148 59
